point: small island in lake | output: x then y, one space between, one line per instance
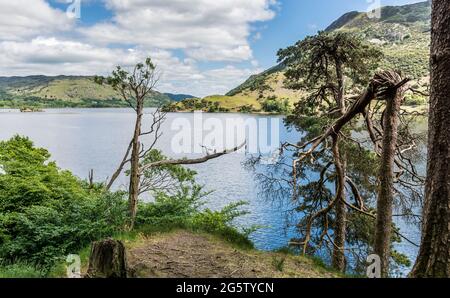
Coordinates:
30 110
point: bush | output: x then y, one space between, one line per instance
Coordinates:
183 210
169 210
246 109
47 213
220 223
273 105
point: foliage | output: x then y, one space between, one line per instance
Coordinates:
184 210
273 105
221 223
46 213
312 65
247 109
195 104
164 179
313 60
20 270
170 210
415 100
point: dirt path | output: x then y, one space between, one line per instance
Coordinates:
184 254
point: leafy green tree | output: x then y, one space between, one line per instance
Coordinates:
274 105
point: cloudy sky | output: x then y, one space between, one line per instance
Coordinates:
202 47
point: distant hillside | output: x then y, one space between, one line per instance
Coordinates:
63 91
179 97
402 32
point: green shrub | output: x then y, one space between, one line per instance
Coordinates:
46 213
170 210
273 105
220 223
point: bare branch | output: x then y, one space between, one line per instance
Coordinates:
186 161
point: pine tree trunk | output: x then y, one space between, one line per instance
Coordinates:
341 87
134 170
107 260
338 258
385 201
434 255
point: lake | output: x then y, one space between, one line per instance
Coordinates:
84 139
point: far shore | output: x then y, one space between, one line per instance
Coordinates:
410 109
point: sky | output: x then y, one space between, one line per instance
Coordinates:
201 47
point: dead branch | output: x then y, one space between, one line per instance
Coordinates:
186 161
119 170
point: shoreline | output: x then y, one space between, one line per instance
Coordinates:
43 110
419 108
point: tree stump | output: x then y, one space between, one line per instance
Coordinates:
107 260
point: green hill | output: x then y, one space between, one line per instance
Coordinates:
402 32
63 91
179 97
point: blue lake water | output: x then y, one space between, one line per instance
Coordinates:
84 139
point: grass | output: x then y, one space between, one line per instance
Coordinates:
281 261
20 270
233 103
278 263
67 92
131 239
75 90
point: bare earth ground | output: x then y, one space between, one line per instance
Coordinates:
183 254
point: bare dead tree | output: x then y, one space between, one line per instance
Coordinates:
135 87
383 231
91 178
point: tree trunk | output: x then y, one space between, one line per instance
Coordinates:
340 100
134 171
338 259
107 260
383 232
434 254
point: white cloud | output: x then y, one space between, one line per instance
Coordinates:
36 38
215 81
20 19
51 56
207 29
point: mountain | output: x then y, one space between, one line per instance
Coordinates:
63 91
179 97
402 33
